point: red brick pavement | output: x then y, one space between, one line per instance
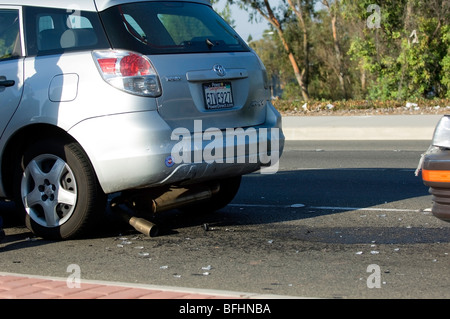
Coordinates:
17 286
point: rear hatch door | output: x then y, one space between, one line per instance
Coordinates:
206 70
220 89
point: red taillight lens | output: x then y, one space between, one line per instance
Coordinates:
128 71
107 65
134 65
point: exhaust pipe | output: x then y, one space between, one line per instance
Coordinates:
177 197
141 225
144 226
144 201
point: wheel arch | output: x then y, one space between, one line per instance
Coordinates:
19 142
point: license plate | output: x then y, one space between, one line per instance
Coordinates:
218 95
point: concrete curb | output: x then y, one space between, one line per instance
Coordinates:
379 127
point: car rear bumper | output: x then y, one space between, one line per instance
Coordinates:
436 175
135 150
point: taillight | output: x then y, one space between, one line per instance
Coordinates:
128 71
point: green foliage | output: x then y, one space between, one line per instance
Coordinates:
392 49
445 63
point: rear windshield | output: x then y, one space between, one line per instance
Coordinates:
169 27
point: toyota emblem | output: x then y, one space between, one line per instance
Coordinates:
220 70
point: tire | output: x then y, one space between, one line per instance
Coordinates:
56 190
228 189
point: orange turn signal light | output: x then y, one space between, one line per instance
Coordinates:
436 176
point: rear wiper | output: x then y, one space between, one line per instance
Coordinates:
209 43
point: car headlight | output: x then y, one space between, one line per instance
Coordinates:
441 136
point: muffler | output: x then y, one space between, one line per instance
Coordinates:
177 197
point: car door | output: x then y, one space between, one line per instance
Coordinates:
11 63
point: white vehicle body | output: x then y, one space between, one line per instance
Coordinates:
63 81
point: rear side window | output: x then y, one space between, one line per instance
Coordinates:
9 34
51 31
169 27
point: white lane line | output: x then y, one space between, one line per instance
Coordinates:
366 209
329 208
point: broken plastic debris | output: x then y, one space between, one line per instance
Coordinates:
143 254
177 276
374 252
205 273
270 241
411 105
139 247
207 267
163 267
206 227
359 253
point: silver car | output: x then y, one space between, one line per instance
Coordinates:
159 102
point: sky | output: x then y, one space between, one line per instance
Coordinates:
243 27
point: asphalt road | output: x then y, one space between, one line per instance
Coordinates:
339 220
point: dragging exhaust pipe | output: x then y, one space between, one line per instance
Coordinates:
144 226
149 202
177 197
140 224
157 201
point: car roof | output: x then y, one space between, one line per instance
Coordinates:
84 5
105 4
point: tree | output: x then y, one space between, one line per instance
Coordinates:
334 49
264 8
226 13
301 10
333 8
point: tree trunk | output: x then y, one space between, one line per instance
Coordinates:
299 74
299 14
337 48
